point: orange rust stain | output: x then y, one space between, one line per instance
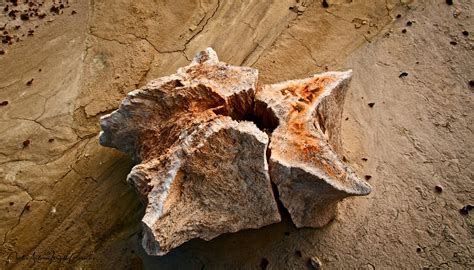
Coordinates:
301 139
308 92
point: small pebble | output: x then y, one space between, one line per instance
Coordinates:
26 143
403 74
30 82
325 4
263 263
409 23
449 2
298 253
367 177
399 16
404 31
4 103
2 52
314 263
51 140
454 43
371 104
364 159
11 203
465 210
418 249
465 33
471 83
439 189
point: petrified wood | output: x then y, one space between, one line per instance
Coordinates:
202 165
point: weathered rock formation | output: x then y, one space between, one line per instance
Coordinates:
202 166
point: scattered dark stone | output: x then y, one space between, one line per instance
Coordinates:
11 203
439 189
30 82
364 159
27 207
409 23
418 249
6 39
12 14
41 15
4 103
73 12
54 9
403 74
325 4
344 158
25 17
263 263
347 118
51 140
449 2
471 83
367 177
465 210
291 8
399 16
298 253
417 62
465 33
39 70
454 43
2 52
5 8
371 104
17 27
26 143
61 6
404 31
314 263
287 233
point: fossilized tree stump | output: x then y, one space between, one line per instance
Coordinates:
202 165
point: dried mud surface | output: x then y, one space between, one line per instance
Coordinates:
407 128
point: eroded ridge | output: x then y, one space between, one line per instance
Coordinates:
202 167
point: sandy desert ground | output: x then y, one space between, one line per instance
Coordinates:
66 63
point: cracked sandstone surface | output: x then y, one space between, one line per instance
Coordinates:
62 192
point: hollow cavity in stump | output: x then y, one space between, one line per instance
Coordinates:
208 143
